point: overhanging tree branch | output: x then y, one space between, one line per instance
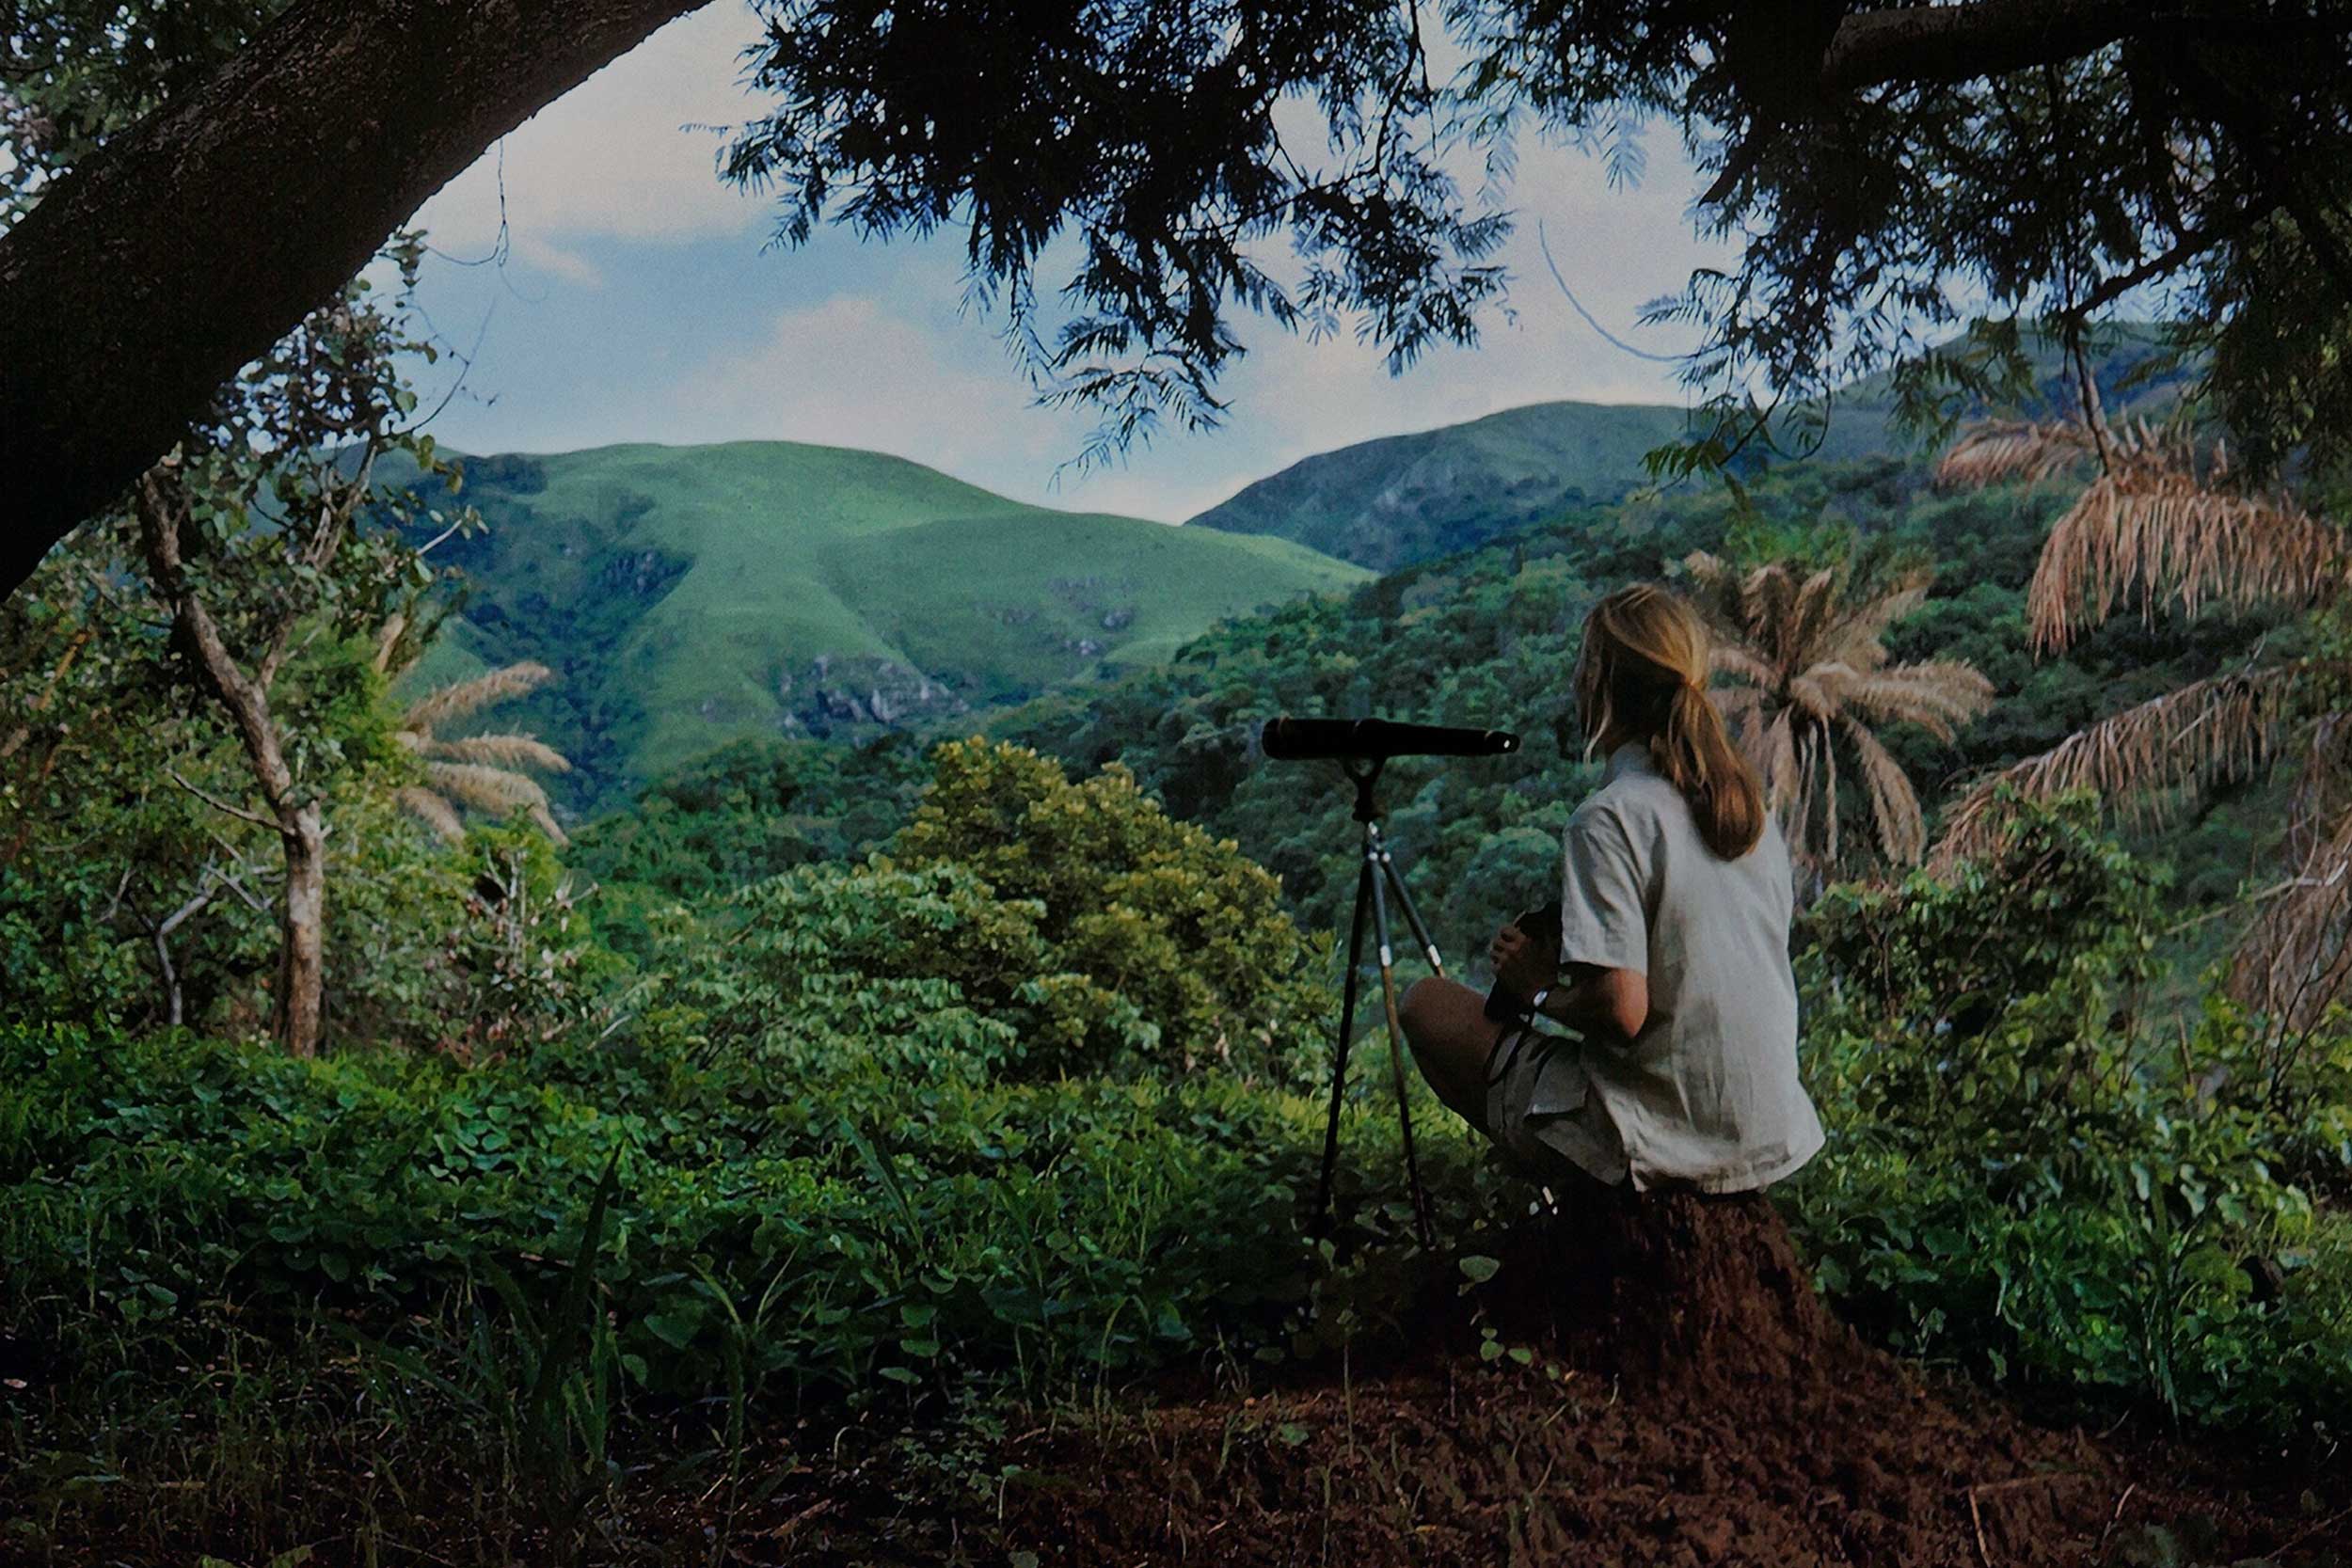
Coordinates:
1960 43
193 242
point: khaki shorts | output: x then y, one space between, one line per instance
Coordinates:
1541 1107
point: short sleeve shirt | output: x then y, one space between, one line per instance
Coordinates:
1708 1094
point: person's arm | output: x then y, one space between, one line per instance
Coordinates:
1597 1001
1605 1005
1604 932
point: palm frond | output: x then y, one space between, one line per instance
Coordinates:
1775 760
2202 734
2323 786
1743 711
464 697
1938 695
2297 958
387 639
2152 529
483 788
501 751
1902 827
430 809
2014 449
1851 636
1728 657
1810 694
1827 756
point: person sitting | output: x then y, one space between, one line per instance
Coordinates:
1672 963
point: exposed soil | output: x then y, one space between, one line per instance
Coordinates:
1694 1406
1691 1406
1502 1463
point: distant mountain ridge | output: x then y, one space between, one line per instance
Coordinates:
1398 499
690 596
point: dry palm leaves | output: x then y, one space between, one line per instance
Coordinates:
464 699
2206 733
478 772
1810 677
2159 532
2152 524
2298 955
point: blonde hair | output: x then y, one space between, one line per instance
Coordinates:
1641 678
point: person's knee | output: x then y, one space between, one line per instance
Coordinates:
1417 1010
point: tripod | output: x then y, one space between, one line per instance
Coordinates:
1376 877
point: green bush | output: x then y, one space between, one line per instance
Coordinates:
1181 945
2024 1176
824 1218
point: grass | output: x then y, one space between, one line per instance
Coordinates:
690 596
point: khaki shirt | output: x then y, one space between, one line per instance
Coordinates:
1706 1096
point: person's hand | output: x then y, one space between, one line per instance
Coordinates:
1524 967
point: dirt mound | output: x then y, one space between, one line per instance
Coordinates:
1691 1405
1513 1467
1504 1465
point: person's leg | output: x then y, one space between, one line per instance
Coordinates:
1452 1038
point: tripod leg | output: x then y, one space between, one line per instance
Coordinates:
1338 1063
1397 1044
1405 901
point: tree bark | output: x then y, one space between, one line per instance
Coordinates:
1960 43
302 933
147 276
296 1009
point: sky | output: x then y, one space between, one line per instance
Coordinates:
597 283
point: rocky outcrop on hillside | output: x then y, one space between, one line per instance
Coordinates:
829 696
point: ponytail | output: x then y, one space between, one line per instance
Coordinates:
1642 676
1695 754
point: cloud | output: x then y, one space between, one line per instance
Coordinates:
613 157
862 370
1618 249
657 320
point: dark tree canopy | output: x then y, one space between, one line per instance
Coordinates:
1888 172
1128 175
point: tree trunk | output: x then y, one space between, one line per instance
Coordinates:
302 924
148 276
301 832
1671 1288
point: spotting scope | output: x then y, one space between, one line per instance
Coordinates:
1289 739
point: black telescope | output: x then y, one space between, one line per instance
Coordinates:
1376 740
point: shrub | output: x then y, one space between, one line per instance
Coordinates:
1178 927
2021 1177
812 1216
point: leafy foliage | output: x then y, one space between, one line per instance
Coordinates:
1874 167
1488 639
1162 919
2030 1173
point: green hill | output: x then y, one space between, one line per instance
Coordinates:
1403 499
688 595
